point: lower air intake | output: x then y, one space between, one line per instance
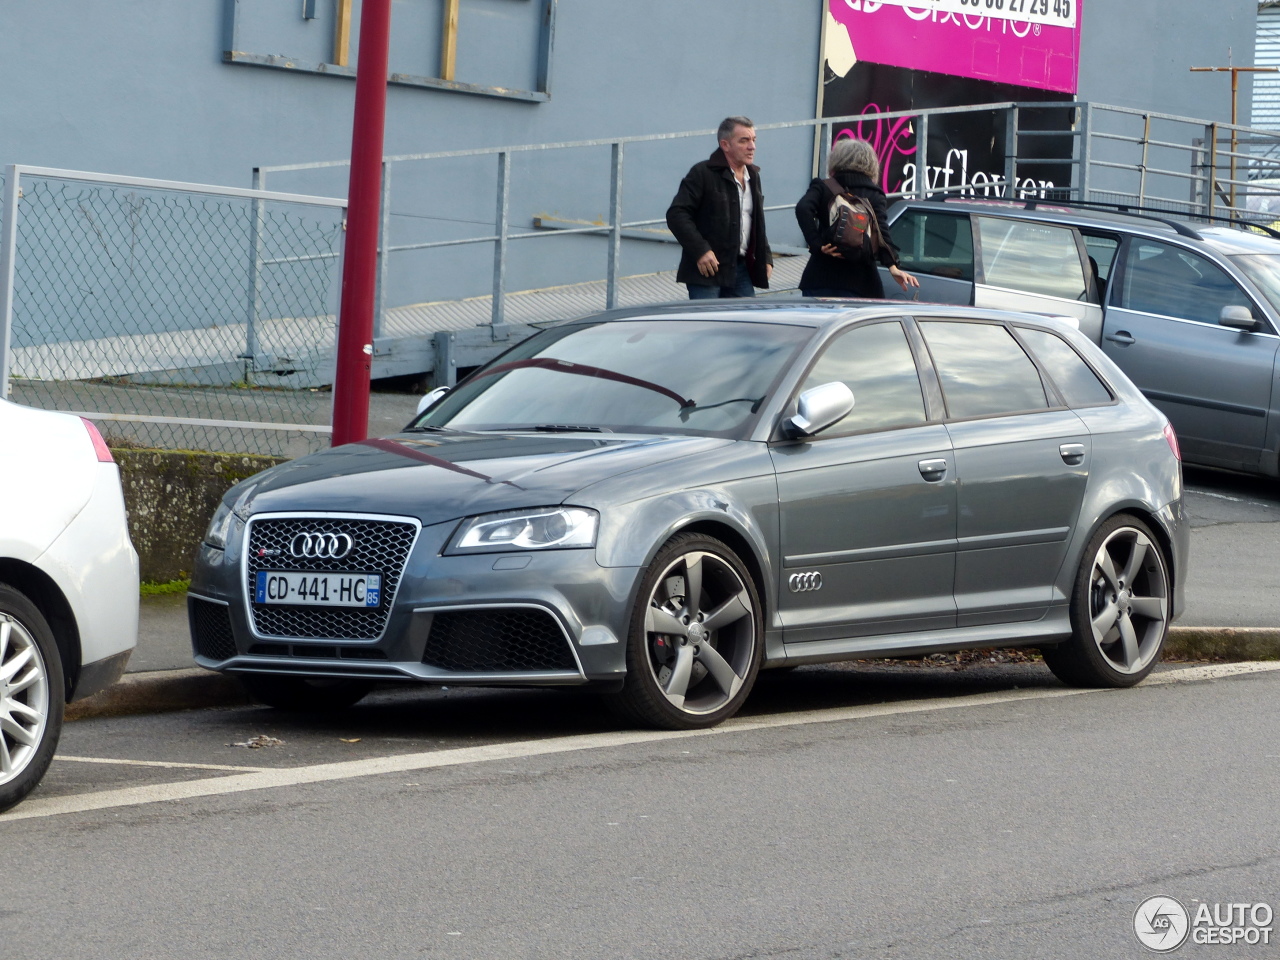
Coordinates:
505 640
210 629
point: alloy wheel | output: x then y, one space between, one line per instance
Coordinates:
24 698
1128 600
700 632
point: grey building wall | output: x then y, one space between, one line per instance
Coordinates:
1138 53
139 87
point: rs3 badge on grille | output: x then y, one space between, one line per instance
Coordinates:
318 589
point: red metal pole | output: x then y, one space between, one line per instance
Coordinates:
360 257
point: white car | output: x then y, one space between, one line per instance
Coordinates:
68 583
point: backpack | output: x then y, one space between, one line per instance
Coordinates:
850 219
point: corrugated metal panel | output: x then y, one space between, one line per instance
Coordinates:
1266 87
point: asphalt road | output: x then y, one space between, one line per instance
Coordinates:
896 811
1235 550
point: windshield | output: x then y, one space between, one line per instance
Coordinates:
701 377
1264 270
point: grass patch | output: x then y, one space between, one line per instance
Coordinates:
171 588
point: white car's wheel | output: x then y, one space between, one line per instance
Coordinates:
31 700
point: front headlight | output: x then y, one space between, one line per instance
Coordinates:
219 527
545 528
225 516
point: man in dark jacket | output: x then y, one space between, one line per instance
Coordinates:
718 217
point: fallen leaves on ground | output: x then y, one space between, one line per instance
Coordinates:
258 742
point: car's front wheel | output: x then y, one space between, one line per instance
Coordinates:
304 694
694 648
1120 609
31 700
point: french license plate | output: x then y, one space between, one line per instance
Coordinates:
318 589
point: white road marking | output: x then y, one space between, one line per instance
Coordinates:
1223 496
160 763
373 766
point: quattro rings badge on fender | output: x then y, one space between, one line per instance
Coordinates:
805 582
321 546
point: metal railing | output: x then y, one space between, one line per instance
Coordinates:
187 315
176 314
1115 153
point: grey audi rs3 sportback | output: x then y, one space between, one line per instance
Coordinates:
662 502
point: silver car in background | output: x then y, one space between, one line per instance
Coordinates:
661 502
1190 311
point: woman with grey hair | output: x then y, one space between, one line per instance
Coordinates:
831 272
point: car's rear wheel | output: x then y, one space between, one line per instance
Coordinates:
305 694
1120 609
31 699
694 648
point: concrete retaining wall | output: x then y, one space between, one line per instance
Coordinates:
170 495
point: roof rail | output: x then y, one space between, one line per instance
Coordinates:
1178 225
1144 213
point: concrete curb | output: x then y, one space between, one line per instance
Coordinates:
162 691
1223 643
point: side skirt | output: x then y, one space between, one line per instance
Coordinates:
1053 626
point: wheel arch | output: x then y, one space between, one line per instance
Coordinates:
740 545
1153 523
44 592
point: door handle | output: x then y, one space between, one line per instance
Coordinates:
933 470
1072 453
1121 336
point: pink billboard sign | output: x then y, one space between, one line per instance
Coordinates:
933 35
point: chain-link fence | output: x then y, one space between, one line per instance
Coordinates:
176 315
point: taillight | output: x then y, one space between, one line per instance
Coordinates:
1173 441
99 445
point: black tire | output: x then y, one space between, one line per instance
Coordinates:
1120 609
305 694
689 676
31 696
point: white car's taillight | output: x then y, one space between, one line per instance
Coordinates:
1173 441
99 445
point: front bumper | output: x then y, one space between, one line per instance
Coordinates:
523 618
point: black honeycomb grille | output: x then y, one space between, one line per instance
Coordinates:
210 629
381 547
506 640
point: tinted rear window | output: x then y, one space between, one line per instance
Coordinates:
984 371
1074 378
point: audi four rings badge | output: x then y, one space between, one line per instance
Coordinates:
805 582
326 546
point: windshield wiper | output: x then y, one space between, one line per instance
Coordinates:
583 370
425 427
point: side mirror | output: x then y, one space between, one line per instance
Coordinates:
1237 318
431 398
819 407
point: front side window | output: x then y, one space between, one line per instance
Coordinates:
940 244
699 377
984 372
1264 270
875 362
1173 282
1033 257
